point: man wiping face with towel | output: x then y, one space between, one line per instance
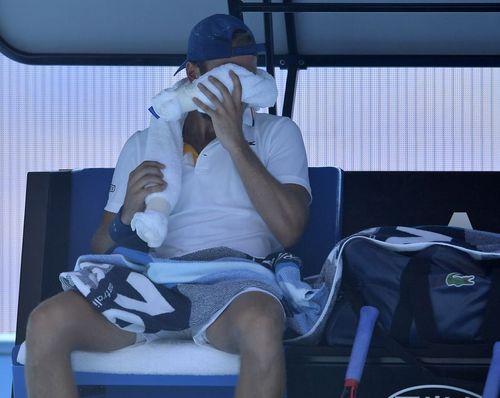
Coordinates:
244 189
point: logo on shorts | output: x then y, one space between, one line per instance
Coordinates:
112 188
434 391
459 280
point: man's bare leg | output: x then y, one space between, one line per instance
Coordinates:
252 326
58 326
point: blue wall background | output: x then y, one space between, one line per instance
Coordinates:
6 344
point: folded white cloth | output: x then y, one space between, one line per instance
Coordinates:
258 90
165 143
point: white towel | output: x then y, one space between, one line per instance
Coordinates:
165 144
258 90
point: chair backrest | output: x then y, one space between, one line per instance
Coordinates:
89 192
323 229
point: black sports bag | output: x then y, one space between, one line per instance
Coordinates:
434 286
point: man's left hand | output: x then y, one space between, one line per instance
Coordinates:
227 117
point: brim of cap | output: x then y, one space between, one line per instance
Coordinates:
257 48
183 65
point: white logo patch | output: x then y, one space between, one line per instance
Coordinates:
460 220
434 391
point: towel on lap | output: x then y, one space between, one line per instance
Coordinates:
149 296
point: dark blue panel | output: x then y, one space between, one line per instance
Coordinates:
323 229
89 194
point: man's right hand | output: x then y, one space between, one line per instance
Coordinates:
145 179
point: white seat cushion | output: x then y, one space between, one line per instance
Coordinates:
159 357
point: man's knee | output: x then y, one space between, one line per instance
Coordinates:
260 325
54 322
252 323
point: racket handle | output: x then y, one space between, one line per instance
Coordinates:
367 318
492 386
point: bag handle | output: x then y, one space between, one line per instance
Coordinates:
415 303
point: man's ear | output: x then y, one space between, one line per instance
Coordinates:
192 71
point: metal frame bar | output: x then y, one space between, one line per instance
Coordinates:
90 59
269 35
391 60
292 64
370 7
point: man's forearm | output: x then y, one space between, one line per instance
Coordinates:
283 208
101 241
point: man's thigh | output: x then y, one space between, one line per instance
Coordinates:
250 314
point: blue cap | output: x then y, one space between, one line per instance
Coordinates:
212 38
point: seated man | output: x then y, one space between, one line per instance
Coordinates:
249 191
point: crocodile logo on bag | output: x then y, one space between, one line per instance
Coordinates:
459 280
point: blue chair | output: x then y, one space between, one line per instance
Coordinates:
63 209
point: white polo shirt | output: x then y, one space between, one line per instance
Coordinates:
214 208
